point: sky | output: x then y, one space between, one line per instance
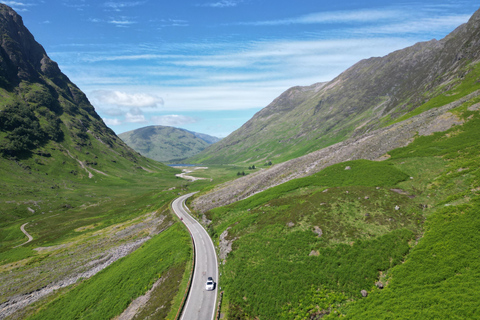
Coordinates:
209 65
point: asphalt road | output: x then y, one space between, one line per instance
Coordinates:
200 304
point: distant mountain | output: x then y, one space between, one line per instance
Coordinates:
46 118
370 95
166 144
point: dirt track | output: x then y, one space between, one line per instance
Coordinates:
30 238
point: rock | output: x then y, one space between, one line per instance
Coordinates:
348 168
364 293
318 231
367 214
31 210
314 253
290 224
397 208
379 285
225 245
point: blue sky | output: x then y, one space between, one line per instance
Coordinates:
210 65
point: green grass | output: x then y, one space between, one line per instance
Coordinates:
420 239
109 292
274 238
440 277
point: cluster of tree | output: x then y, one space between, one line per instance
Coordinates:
241 173
24 131
252 167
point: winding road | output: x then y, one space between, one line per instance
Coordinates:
200 304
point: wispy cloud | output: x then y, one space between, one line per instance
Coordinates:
359 16
122 22
173 120
222 3
75 4
18 6
119 6
422 25
173 23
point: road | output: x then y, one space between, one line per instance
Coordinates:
200 304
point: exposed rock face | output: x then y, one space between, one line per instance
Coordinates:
21 57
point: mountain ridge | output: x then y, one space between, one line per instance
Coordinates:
371 94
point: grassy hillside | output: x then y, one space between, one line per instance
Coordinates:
308 248
89 202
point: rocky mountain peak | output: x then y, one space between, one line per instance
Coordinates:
21 57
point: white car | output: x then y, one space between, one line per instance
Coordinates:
210 285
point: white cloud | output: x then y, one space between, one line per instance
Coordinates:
173 23
332 17
123 22
173 120
418 26
112 122
114 112
135 118
124 99
18 6
119 6
222 4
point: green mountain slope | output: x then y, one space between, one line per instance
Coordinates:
403 231
370 95
166 144
83 195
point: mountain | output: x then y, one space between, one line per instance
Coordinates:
381 225
44 115
165 144
372 94
81 197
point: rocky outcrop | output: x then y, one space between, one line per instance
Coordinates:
21 57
